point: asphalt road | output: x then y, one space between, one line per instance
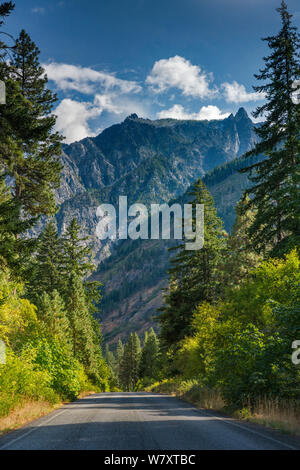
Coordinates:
141 421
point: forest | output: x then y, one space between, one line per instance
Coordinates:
231 312
52 341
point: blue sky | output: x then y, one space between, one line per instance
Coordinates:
158 58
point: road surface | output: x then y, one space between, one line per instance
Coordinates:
140 421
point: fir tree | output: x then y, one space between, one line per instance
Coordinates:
36 172
276 179
47 271
130 363
78 263
52 313
239 258
119 358
149 363
194 275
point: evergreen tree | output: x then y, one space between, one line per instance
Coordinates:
149 363
53 315
5 10
78 263
276 179
110 359
194 275
47 271
130 363
85 337
119 358
14 251
36 173
240 258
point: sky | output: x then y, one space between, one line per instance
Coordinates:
184 59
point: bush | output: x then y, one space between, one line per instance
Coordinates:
67 376
20 379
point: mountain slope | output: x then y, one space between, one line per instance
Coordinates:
136 272
148 161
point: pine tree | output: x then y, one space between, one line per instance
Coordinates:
52 313
149 363
276 179
130 363
240 258
37 174
47 270
78 262
194 275
119 358
14 251
5 10
85 338
110 359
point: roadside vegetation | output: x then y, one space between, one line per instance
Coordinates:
231 313
50 342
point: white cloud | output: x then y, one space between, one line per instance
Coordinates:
206 113
38 10
177 72
73 116
236 93
86 80
72 119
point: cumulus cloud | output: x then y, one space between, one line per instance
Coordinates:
178 72
72 119
236 93
107 93
206 113
86 80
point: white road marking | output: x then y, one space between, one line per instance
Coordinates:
227 421
31 430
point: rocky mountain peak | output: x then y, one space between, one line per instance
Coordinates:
242 114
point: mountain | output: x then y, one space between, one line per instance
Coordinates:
135 274
149 161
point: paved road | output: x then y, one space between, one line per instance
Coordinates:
140 421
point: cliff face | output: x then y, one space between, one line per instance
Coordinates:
149 161
136 272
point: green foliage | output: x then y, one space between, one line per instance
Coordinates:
149 368
68 378
194 275
129 370
276 179
239 260
20 379
243 346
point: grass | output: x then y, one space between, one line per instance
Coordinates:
24 414
283 415
28 411
192 392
